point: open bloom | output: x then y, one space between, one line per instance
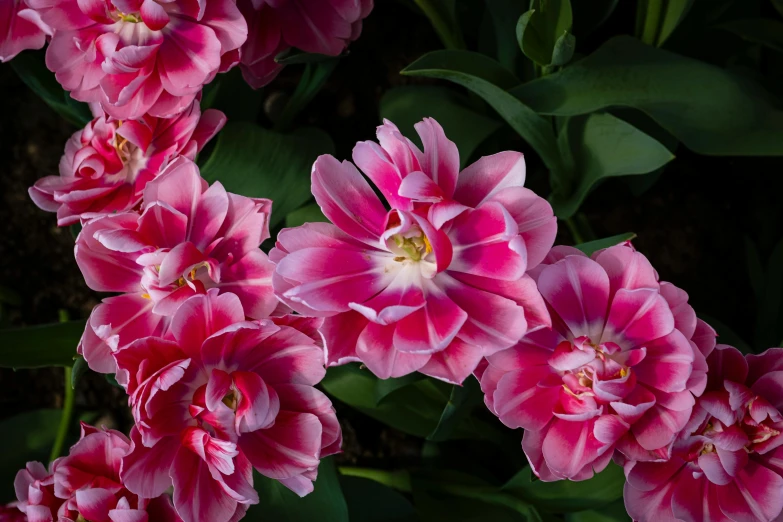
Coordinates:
313 26
189 238
20 29
433 284
220 397
615 370
108 163
727 465
136 57
86 485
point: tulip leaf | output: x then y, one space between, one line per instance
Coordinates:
31 68
461 402
443 17
566 496
257 162
277 502
370 501
764 31
486 78
26 437
540 28
656 20
465 126
601 146
708 109
39 346
614 512
384 387
593 246
307 214
504 15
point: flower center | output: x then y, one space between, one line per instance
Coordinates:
132 18
415 247
231 400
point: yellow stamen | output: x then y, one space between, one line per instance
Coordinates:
132 18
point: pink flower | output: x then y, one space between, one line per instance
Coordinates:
618 369
11 513
435 283
218 397
189 238
313 26
141 56
727 464
20 29
108 163
86 485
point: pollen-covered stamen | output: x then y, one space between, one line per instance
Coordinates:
707 448
131 17
415 247
231 399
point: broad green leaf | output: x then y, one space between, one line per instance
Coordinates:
539 29
383 387
234 97
31 68
443 17
762 31
589 16
567 496
483 76
370 501
602 146
257 162
593 246
79 369
465 126
614 512
306 214
461 402
26 437
708 109
564 49
504 15
38 346
314 76
276 502
656 20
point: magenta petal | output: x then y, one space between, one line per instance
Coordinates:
375 348
440 160
521 403
636 317
488 176
145 471
197 495
341 333
420 187
258 403
755 491
667 364
395 302
250 278
95 503
203 315
289 447
153 14
455 363
693 499
627 268
432 328
570 446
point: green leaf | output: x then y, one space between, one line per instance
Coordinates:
539 29
443 17
483 76
461 402
708 109
277 502
566 496
614 512
602 146
26 437
79 369
31 68
504 15
39 346
466 127
257 162
313 78
758 31
593 246
564 49
234 97
369 501
656 20
306 214
384 387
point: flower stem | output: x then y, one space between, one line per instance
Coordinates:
65 419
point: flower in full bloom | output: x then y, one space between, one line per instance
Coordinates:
219 397
188 238
140 56
20 29
313 26
727 464
107 164
618 369
433 284
86 485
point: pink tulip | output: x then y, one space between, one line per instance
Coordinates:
189 238
141 56
11 513
727 464
618 369
313 26
435 283
20 29
86 485
218 397
108 163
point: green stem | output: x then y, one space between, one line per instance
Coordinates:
65 419
649 19
451 39
574 229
